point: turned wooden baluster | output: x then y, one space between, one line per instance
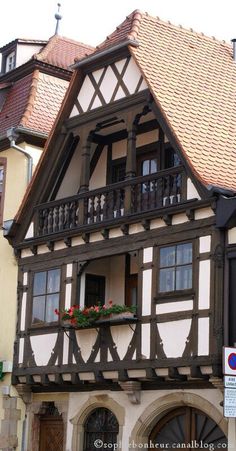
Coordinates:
159 192
105 206
91 209
111 205
174 191
132 198
153 194
41 222
45 221
56 219
98 208
73 214
67 216
139 197
50 220
117 203
167 191
84 214
61 216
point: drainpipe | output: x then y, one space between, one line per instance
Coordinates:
234 48
12 136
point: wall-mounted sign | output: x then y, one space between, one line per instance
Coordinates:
229 361
230 403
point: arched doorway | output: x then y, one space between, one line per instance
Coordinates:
189 427
100 428
51 434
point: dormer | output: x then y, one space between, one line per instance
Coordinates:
19 52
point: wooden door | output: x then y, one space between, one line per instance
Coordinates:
51 434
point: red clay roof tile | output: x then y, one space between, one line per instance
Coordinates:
193 80
62 52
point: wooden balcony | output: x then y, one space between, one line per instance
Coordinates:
112 202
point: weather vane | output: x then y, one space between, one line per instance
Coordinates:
58 17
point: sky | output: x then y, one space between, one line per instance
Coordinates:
90 21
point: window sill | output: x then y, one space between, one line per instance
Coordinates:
183 295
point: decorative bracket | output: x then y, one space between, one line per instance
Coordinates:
133 390
25 392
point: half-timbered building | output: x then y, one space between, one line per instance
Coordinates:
123 207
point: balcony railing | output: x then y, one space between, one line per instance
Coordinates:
133 196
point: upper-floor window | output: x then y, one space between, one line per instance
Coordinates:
175 268
46 294
10 61
2 185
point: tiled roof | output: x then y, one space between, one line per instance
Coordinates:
44 103
62 51
193 80
33 102
127 30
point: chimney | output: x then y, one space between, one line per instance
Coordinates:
234 48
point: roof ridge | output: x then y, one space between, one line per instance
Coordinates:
31 98
136 21
135 18
48 47
73 41
189 30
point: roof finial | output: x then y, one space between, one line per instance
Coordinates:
58 17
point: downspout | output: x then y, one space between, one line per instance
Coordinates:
12 136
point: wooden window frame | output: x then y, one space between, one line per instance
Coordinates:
43 325
188 293
3 162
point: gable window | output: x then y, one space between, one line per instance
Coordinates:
175 269
94 290
2 185
46 294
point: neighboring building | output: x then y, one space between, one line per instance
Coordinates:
122 207
33 81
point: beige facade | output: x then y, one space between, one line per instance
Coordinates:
12 409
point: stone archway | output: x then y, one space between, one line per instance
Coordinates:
161 406
94 402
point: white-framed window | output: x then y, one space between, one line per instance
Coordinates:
10 61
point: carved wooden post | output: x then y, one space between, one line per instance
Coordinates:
84 176
130 170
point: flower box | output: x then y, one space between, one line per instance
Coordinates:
78 317
113 317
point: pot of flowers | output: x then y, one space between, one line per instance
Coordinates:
81 317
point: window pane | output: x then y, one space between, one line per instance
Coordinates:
145 167
153 165
184 254
52 303
53 281
167 280
38 309
184 277
167 256
39 283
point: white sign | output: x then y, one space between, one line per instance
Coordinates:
229 361
230 403
230 381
